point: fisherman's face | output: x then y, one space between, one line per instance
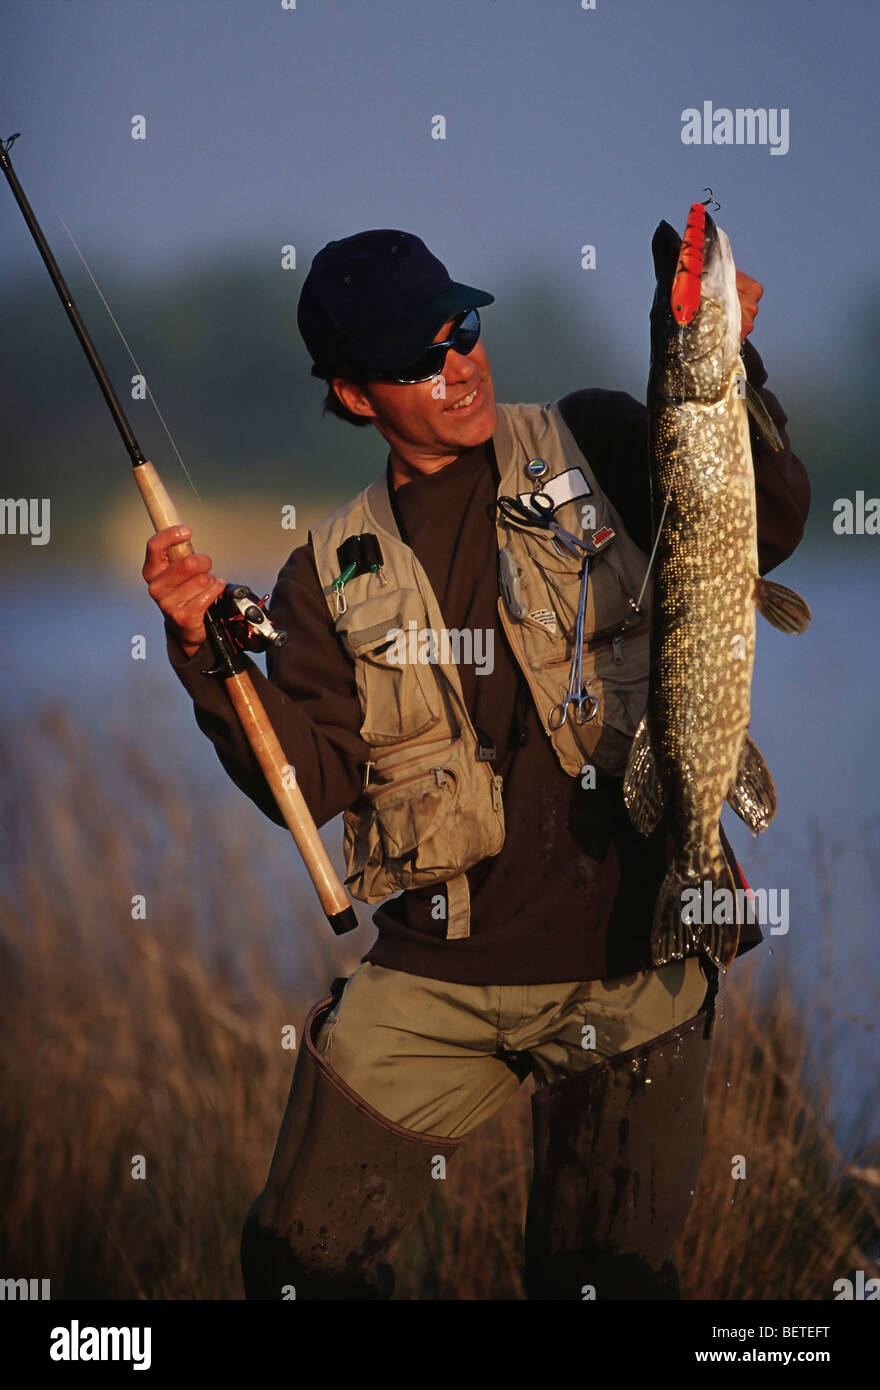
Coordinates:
425 423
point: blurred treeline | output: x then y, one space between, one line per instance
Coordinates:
222 354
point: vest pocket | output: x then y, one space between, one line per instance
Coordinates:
420 820
398 695
607 600
621 666
616 670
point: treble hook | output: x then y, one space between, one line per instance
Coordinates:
716 207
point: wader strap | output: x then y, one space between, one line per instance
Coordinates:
458 907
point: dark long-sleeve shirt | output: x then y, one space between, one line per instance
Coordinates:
571 894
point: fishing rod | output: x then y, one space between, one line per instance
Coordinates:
234 623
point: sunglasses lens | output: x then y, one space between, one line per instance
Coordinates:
431 364
467 333
464 339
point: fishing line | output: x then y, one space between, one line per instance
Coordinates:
227 568
653 554
112 317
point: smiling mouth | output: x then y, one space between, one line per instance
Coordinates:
465 400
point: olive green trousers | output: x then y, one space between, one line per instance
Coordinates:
440 1058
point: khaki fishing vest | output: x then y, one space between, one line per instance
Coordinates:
431 806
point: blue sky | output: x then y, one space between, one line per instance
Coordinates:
269 126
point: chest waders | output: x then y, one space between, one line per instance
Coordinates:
617 1157
616 1147
344 1183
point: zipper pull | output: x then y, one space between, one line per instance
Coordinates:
617 650
367 765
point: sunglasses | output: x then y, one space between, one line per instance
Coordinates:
464 339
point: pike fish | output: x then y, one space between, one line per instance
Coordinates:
692 750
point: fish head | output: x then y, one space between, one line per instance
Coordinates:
694 361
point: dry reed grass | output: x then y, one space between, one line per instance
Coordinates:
162 1038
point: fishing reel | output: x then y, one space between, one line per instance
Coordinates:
244 621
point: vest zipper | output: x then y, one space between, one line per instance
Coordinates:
606 637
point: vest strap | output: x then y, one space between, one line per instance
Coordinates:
458 908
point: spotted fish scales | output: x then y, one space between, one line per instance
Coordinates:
692 751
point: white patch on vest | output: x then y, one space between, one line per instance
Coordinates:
546 617
565 487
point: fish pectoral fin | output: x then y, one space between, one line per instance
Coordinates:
642 792
762 417
782 607
753 795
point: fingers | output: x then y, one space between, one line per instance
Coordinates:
749 291
156 559
184 588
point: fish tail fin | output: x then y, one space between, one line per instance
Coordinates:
692 912
671 933
718 937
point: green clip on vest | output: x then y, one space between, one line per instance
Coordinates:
430 808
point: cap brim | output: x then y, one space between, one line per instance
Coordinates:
426 323
431 318
452 301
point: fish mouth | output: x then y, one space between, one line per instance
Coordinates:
666 251
715 325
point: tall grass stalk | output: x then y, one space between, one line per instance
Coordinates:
158 1040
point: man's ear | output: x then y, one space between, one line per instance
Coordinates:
353 397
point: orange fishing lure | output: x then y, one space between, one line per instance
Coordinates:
685 297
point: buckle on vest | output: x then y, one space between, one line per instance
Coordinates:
486 752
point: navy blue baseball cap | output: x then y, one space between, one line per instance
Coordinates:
375 301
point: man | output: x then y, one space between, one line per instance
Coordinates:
520 942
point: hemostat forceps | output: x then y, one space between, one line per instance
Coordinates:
584 706
538 511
